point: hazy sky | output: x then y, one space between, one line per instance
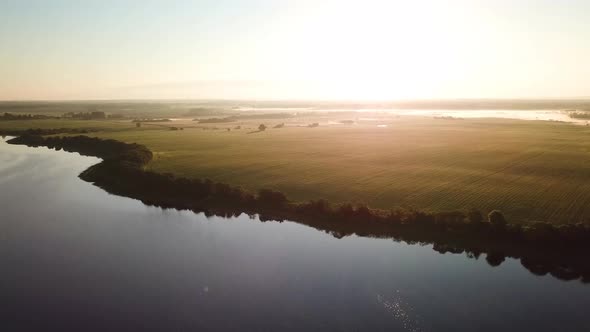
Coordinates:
274 49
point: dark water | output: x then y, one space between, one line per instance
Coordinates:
74 257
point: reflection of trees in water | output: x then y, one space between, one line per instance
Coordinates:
542 248
562 262
534 264
495 258
557 270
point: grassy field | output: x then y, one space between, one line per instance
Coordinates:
58 123
531 170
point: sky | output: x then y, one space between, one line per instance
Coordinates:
294 49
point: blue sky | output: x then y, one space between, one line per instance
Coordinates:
294 49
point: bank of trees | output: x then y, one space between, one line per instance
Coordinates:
92 115
122 172
12 117
580 115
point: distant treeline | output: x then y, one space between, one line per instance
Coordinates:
38 131
580 115
207 111
230 107
218 120
10 116
130 108
256 116
542 248
245 116
151 120
70 115
95 115
447 118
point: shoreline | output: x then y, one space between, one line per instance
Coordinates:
542 248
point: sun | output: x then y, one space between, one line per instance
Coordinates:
376 51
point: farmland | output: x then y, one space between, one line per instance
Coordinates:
531 170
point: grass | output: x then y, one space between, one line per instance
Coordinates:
530 170
106 125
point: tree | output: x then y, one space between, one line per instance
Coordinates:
474 216
98 115
262 127
496 218
269 197
495 258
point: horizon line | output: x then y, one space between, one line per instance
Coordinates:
366 101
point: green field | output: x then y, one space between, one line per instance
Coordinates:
531 170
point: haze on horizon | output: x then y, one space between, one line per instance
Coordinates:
299 49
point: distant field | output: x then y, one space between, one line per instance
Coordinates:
50 124
531 170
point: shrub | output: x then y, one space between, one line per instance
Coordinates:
496 218
495 258
474 216
272 198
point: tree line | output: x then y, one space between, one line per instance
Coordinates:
10 117
560 250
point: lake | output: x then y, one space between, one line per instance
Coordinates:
76 257
538 115
376 114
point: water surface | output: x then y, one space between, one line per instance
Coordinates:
74 256
537 115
